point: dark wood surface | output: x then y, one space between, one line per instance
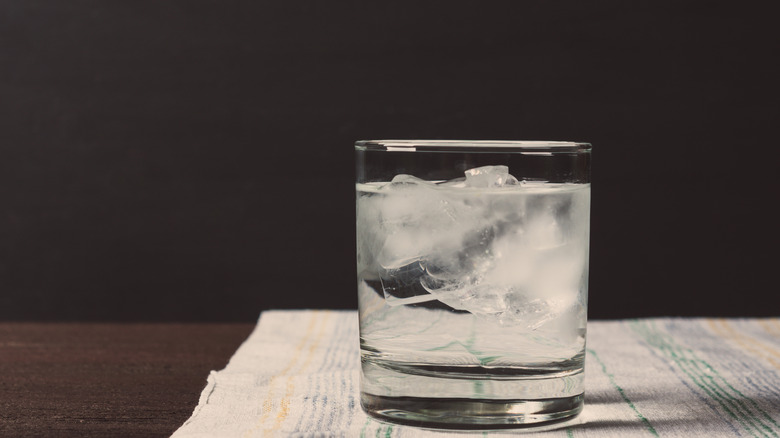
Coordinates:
107 379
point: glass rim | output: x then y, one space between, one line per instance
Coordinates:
505 146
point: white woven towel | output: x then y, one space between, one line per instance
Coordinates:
297 375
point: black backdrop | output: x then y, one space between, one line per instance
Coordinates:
192 160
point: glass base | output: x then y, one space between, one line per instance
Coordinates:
457 397
458 413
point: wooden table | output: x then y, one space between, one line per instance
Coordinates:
107 379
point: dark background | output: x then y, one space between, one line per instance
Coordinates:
192 160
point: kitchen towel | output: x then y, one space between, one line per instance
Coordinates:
297 375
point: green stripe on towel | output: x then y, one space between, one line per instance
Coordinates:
736 405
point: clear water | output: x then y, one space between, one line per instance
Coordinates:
472 289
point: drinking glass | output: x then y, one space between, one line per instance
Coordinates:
472 272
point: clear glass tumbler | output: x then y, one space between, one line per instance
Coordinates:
472 271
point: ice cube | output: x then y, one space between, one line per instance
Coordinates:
464 290
546 233
558 272
370 239
482 300
418 218
403 178
530 311
513 261
402 285
489 176
525 311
